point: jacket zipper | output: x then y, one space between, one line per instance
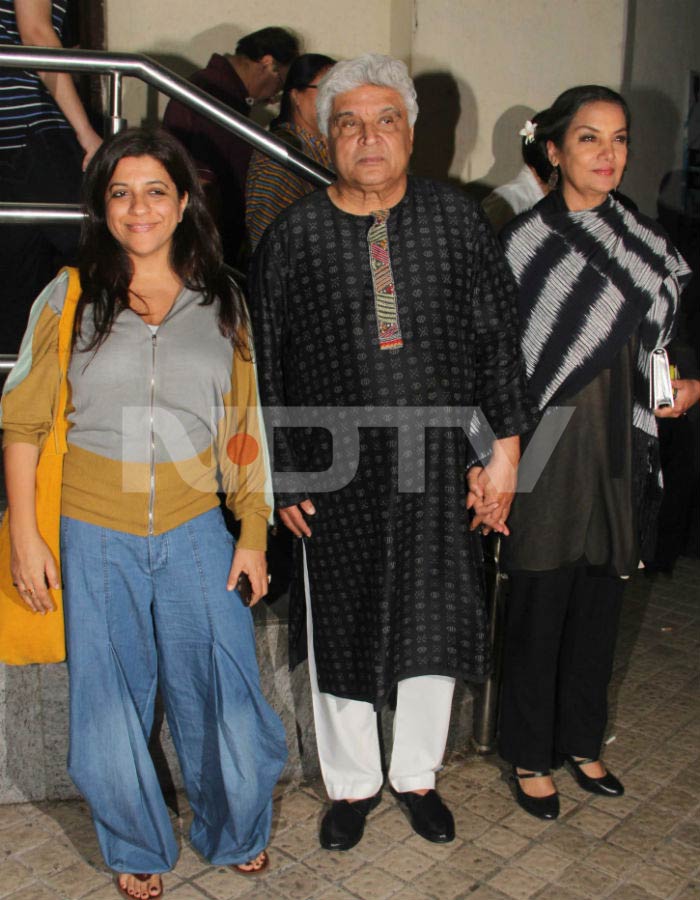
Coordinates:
152 437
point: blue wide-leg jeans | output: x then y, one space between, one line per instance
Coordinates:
143 612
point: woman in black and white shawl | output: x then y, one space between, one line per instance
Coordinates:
599 286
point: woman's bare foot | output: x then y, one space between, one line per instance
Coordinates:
140 887
539 786
594 769
253 866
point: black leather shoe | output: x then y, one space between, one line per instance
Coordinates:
344 824
540 807
428 815
606 786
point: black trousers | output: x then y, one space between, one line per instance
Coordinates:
679 460
47 170
561 628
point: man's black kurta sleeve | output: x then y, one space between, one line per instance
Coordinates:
267 284
500 385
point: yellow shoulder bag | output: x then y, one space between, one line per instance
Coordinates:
26 636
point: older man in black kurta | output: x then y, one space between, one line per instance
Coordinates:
396 324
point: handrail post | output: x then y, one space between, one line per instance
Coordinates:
116 65
52 59
487 697
116 120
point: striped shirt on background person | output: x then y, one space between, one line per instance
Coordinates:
25 104
270 187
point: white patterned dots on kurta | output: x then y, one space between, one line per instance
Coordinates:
395 575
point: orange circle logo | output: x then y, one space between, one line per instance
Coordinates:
242 449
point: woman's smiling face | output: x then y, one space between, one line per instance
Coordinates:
593 154
142 206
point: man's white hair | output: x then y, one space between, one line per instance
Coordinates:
372 68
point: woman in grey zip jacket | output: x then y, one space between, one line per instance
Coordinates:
162 413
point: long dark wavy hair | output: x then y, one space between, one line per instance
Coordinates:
196 256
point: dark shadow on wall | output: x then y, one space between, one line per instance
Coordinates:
657 181
222 38
219 39
505 146
628 59
653 155
445 103
177 64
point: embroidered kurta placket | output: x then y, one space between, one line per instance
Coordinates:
385 305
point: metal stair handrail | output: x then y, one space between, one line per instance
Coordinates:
137 65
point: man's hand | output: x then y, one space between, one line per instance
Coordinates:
686 393
491 489
293 518
254 564
35 28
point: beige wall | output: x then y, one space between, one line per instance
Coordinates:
508 58
481 67
183 34
666 46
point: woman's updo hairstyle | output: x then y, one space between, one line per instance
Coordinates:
558 118
535 150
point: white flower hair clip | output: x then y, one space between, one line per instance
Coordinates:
528 132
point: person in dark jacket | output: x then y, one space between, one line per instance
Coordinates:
254 73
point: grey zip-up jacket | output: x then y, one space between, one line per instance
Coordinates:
159 419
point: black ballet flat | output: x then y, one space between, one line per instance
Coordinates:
541 807
605 786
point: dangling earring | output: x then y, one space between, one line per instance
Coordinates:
553 179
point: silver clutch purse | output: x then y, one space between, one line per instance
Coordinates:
660 388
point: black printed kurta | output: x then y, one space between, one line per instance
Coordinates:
395 575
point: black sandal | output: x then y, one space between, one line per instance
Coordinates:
605 786
540 807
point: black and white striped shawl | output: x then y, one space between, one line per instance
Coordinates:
587 282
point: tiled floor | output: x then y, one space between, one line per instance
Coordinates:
642 846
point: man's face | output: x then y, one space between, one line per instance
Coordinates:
369 138
272 78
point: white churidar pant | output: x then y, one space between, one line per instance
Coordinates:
347 738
